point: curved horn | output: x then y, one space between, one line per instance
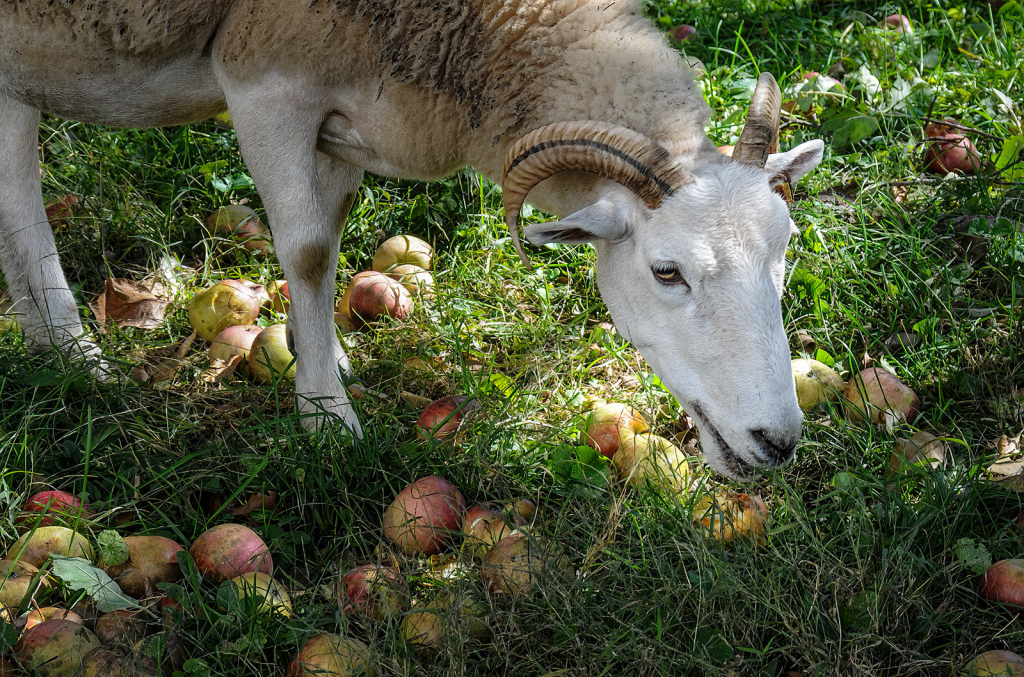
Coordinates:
759 131
613 152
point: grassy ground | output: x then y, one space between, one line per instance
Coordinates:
855 577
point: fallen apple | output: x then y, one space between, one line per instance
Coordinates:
123 626
402 249
35 546
117 661
923 449
377 295
726 150
898 23
1003 583
995 664
725 515
442 417
269 357
242 224
59 507
879 396
523 509
683 33
46 613
424 516
234 340
816 383
424 629
344 323
416 280
230 550
331 656
269 596
375 590
16 583
948 150
517 564
608 424
279 296
55 648
485 525
150 558
649 460
225 304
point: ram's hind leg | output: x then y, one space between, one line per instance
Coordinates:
28 255
306 196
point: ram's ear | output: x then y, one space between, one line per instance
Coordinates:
603 220
788 167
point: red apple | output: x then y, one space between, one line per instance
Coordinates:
1004 582
442 417
684 33
950 151
423 517
152 558
60 507
899 23
880 397
234 340
230 550
241 223
377 295
485 525
373 589
609 424
55 648
520 562
279 296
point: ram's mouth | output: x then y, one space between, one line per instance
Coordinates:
737 467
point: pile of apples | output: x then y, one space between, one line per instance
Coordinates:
640 458
56 642
225 314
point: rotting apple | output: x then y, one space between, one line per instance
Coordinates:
948 150
234 340
47 613
124 626
416 280
55 648
879 396
725 515
816 383
609 424
229 550
16 583
519 563
269 357
150 558
34 547
1003 583
269 596
483 526
442 418
280 299
326 655
376 590
683 33
377 295
425 630
995 664
898 23
225 304
649 460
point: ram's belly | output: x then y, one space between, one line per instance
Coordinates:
126 63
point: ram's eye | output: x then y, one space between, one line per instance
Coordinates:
668 274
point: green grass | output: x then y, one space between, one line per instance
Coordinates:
855 577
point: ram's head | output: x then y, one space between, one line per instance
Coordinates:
691 265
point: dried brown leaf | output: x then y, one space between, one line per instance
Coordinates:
415 401
1008 470
129 304
220 370
265 501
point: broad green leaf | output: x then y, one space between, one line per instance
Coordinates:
112 548
974 556
1010 161
79 574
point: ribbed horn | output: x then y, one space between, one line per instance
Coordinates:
761 128
613 152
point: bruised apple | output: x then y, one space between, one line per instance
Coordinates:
46 613
899 23
376 295
950 151
152 558
816 383
230 550
684 33
242 224
55 648
402 249
423 517
225 304
880 397
995 664
234 340
117 661
608 424
726 515
35 546
647 459
280 299
1003 582
123 626
331 656
375 590
485 525
424 629
269 357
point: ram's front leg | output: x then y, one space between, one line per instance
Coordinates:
307 197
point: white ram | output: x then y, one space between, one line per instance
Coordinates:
579 103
